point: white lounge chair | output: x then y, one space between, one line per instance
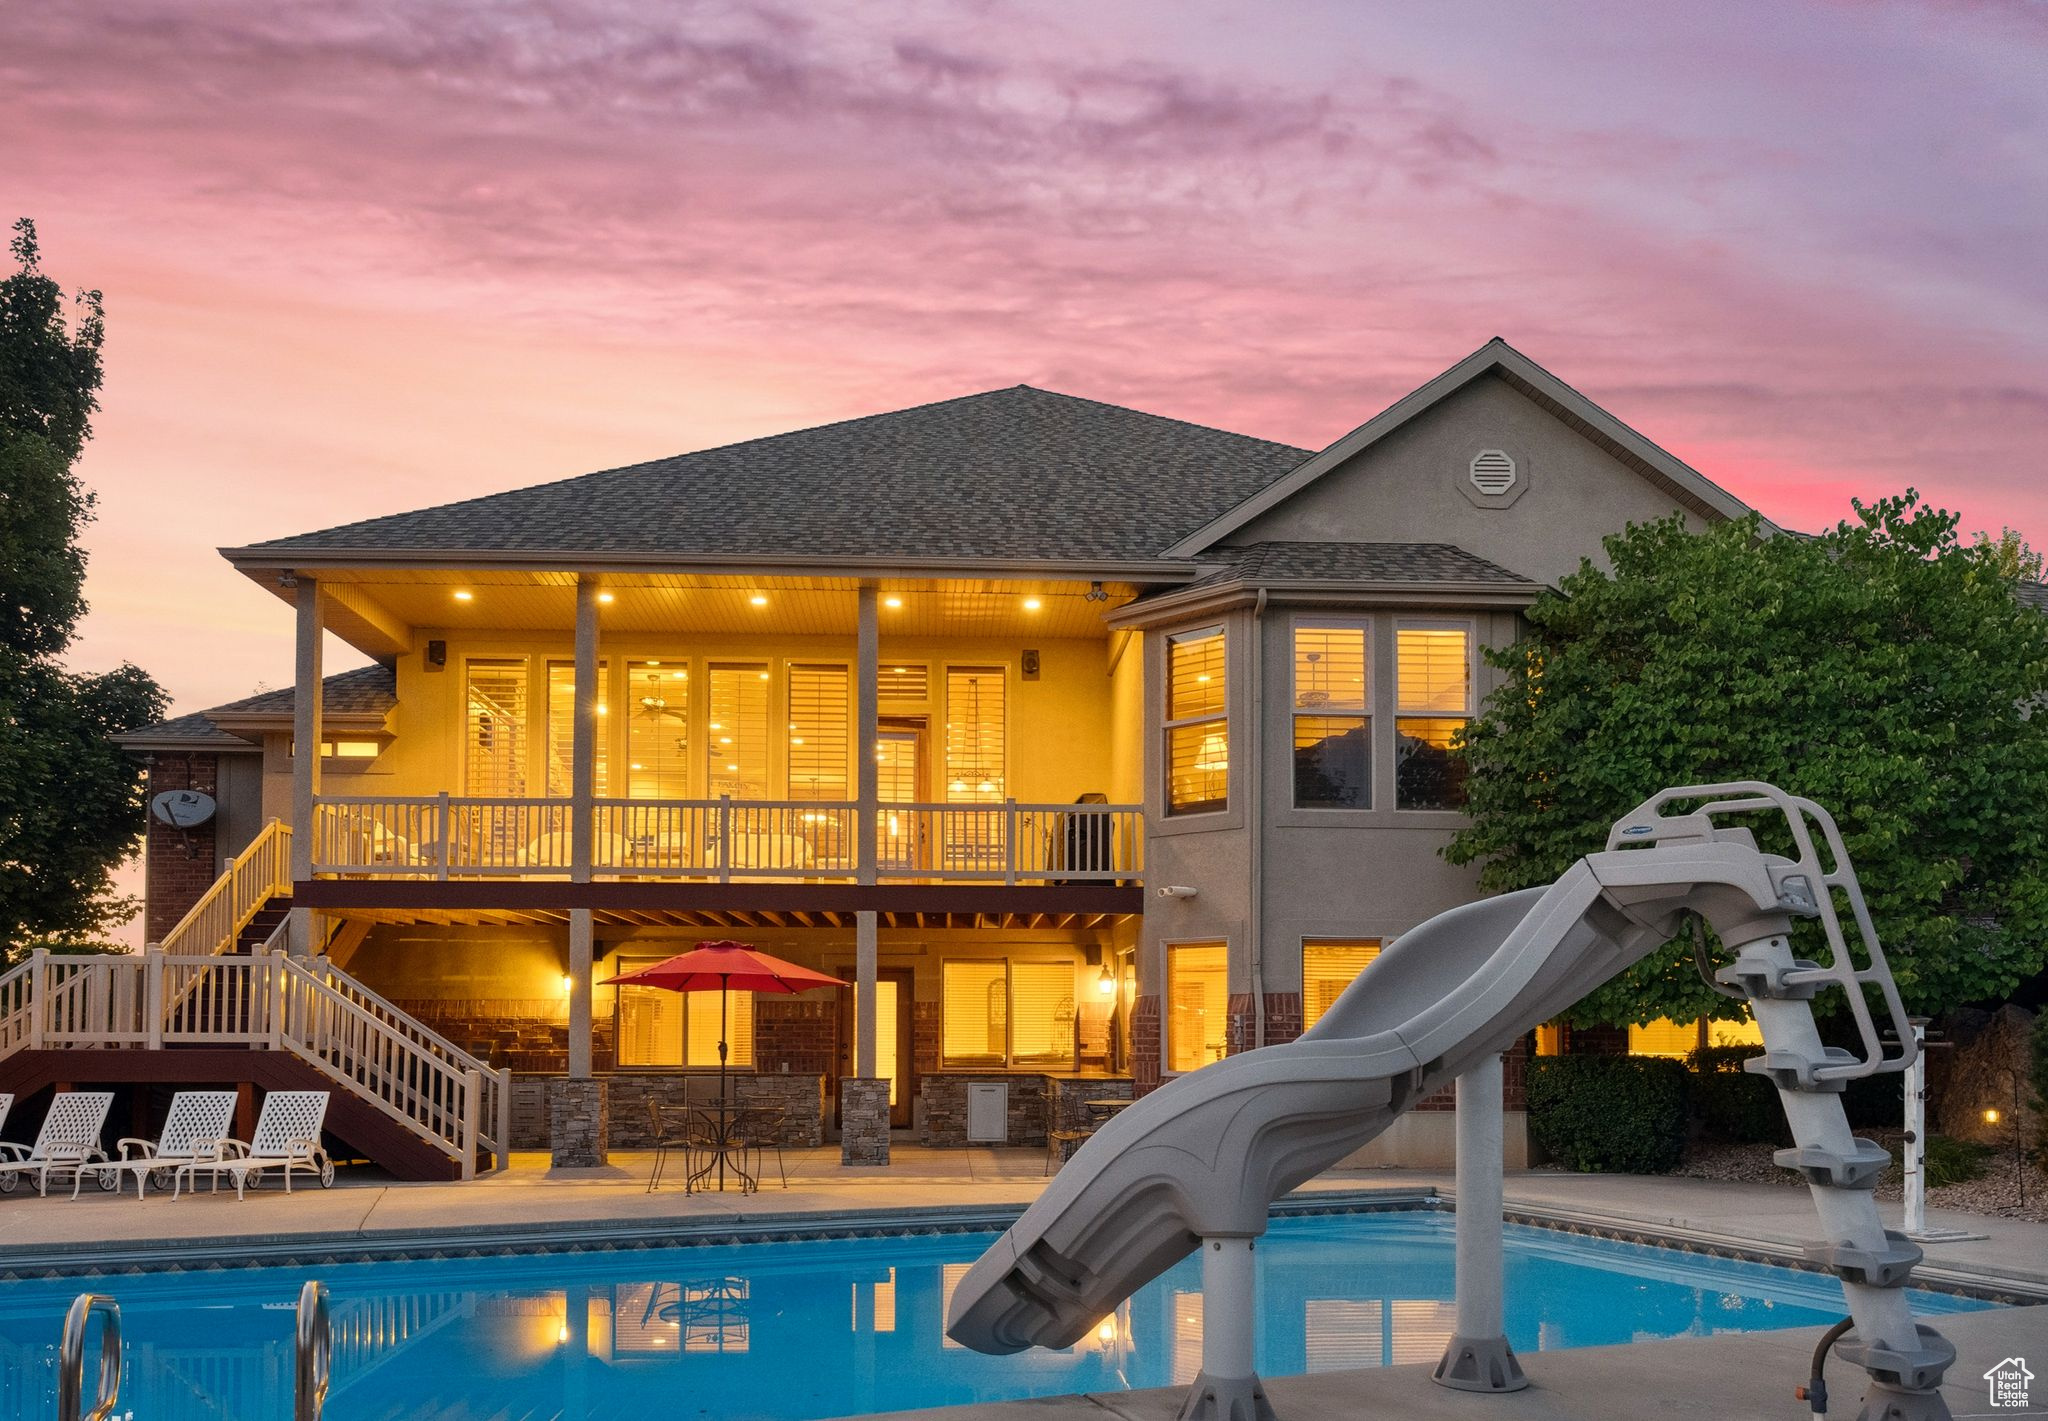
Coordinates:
69 1139
6 1105
197 1122
287 1138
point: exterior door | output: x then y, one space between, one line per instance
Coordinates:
892 1044
899 771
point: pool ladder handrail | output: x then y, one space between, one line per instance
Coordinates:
71 1359
313 1367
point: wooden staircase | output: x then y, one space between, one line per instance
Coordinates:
230 1009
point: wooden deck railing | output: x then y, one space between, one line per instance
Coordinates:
446 837
259 871
267 1000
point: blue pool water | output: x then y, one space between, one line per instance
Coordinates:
780 1331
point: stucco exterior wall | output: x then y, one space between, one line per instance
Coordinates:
1408 487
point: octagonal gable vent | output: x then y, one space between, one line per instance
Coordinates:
1493 472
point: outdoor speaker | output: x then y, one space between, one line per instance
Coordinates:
437 655
1031 666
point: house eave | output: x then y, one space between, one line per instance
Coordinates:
1222 596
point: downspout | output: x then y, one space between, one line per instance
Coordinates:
1254 817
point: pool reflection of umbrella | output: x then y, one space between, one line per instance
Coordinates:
721 967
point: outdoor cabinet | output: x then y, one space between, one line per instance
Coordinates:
988 1113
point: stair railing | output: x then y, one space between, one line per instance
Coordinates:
259 872
383 1066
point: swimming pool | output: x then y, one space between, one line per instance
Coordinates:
782 1331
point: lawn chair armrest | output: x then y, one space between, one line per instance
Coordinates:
11 1152
209 1151
144 1149
306 1146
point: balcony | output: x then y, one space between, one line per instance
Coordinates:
447 838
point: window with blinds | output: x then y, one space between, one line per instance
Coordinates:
820 732
1197 1004
1328 966
1197 726
494 729
657 729
736 734
975 767
1003 1013
700 1028
562 730
648 1024
975 1007
1433 699
1332 727
900 686
1041 1013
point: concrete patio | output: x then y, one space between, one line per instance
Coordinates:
532 1205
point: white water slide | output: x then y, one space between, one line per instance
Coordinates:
1198 1161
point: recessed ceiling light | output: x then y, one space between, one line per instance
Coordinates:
604 596
465 596
892 601
758 600
1032 604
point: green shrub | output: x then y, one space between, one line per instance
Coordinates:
1952 1161
1609 1114
1729 1103
1876 1102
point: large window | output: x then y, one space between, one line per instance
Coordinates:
975 761
1197 1004
1433 663
562 731
657 1027
1332 730
657 730
820 739
494 730
1328 966
736 755
1001 1013
1679 1039
1197 726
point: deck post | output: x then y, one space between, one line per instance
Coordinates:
867 718
38 997
153 998
582 794
307 734
472 1118
1478 1357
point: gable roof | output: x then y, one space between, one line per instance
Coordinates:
359 698
1279 564
1014 476
1680 480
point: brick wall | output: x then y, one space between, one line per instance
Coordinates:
1283 1021
1514 1083
180 866
924 1038
793 1034
1145 1044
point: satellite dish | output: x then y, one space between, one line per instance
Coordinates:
182 808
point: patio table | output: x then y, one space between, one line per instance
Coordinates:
725 1145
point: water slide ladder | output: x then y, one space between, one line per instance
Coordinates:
1195 1164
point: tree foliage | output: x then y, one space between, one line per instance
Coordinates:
70 800
1885 670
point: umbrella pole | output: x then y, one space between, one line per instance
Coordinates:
724 1096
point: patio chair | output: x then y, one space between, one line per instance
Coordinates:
69 1139
761 1128
673 1133
6 1105
197 1120
1061 1140
287 1138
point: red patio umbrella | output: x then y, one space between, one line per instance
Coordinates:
723 967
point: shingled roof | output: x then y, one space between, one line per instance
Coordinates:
368 692
1280 564
1016 475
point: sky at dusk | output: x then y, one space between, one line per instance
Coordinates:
362 257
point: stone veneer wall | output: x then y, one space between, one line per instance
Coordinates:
630 1126
1145 1043
179 867
945 1108
863 1121
578 1123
